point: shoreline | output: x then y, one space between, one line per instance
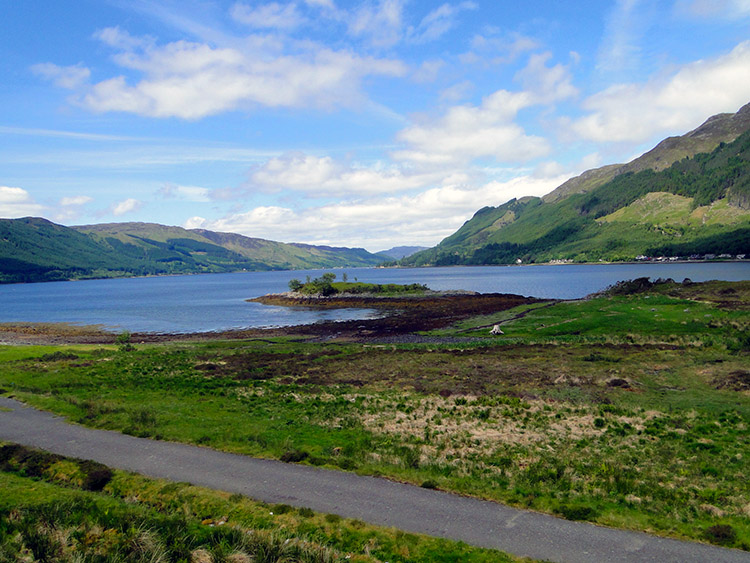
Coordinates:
379 267
403 317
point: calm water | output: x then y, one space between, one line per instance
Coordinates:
217 301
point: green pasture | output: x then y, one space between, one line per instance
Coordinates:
626 410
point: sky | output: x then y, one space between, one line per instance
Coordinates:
359 123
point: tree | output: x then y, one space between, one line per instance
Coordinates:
295 285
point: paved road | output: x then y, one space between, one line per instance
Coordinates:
378 501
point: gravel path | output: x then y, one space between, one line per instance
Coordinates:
378 501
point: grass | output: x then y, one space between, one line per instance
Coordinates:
626 410
135 518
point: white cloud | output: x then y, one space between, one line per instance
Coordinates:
269 16
75 201
498 49
126 206
195 223
70 208
668 104
188 193
193 80
70 77
17 202
467 132
437 22
457 91
325 177
121 39
66 134
547 84
327 4
730 9
625 27
381 24
424 218
428 71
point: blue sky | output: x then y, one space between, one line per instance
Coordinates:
352 123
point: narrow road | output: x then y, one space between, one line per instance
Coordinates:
378 501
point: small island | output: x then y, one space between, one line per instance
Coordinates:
326 286
325 292
406 308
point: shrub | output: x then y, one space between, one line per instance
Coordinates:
281 508
97 475
721 534
576 512
294 456
57 356
123 342
306 512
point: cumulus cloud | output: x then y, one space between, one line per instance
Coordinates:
126 206
69 207
673 103
17 202
466 132
192 80
547 84
326 177
121 39
424 218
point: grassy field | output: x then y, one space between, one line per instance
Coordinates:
629 410
52 510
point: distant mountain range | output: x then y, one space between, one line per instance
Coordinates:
34 249
690 195
398 252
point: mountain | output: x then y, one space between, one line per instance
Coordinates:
398 252
721 128
689 195
35 249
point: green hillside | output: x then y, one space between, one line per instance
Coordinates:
697 205
34 249
721 128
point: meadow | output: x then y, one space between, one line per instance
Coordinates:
61 509
628 409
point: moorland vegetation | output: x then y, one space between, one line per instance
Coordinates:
628 409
